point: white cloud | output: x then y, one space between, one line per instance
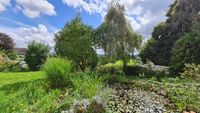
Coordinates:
17 8
147 13
4 4
30 8
35 8
93 6
24 35
142 14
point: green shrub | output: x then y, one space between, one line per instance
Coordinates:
110 69
7 65
186 49
104 60
11 66
74 42
57 71
113 78
191 71
135 70
12 55
147 51
115 68
36 55
86 85
148 69
2 61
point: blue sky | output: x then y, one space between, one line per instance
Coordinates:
27 20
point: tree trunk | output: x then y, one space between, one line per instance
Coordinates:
124 62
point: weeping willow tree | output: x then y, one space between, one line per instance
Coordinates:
116 36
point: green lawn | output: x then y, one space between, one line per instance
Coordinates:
17 77
13 91
9 81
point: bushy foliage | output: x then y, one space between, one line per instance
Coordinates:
136 70
113 78
6 43
187 49
86 85
12 55
75 43
57 71
191 71
149 70
104 60
7 65
115 68
183 93
181 16
36 55
147 52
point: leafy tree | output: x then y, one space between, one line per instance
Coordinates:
6 43
147 52
36 55
187 49
181 16
75 43
115 35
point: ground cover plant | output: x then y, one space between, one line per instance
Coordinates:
183 93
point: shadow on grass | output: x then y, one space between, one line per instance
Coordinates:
8 88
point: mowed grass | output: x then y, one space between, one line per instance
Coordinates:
12 88
15 79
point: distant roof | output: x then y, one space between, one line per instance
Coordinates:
21 51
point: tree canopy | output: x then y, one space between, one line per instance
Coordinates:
6 43
187 49
74 42
36 55
181 16
115 35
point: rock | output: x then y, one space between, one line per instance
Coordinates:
97 105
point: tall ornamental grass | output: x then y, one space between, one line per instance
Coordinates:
57 71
